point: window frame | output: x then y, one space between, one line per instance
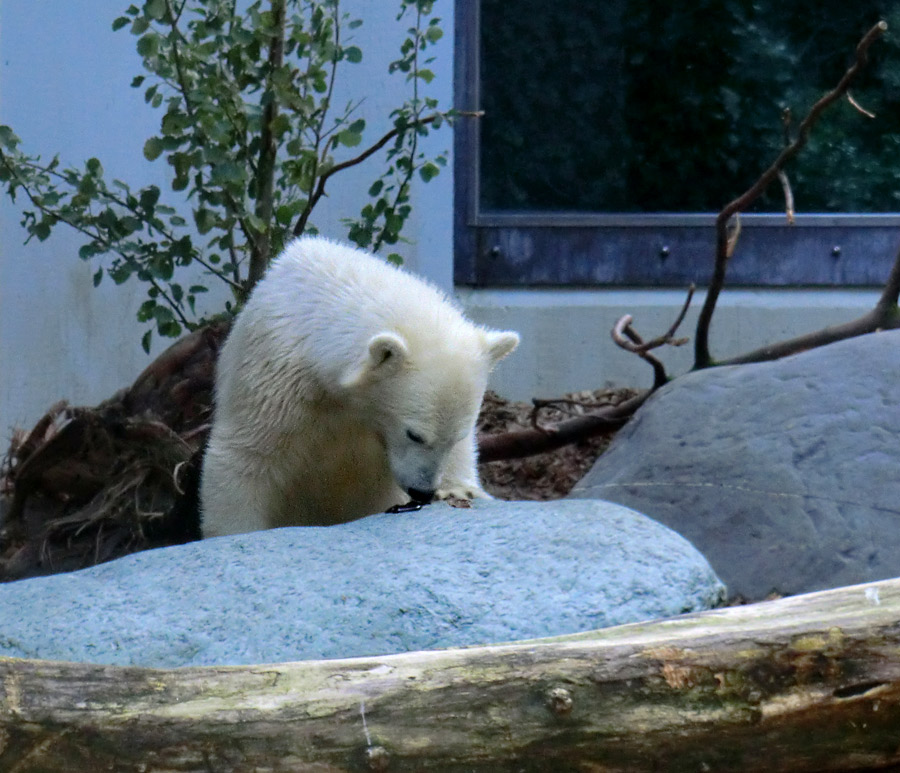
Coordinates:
511 249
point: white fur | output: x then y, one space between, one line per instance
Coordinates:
344 383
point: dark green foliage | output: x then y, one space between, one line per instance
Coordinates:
625 106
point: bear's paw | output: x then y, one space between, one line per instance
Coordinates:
461 491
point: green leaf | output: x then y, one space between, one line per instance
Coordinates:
153 148
94 167
284 214
281 125
139 26
149 197
353 54
8 138
156 9
169 329
122 21
429 171
349 138
41 230
145 341
145 312
376 187
148 45
205 220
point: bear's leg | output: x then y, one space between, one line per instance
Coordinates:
460 477
235 496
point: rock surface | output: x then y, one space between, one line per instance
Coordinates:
442 577
785 475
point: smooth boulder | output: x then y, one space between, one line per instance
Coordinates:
443 577
785 474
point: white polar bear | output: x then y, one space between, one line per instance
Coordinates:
346 386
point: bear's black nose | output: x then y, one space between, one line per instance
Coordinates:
418 495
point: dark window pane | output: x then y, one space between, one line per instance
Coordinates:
637 106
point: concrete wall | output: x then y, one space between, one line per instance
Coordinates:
64 88
566 343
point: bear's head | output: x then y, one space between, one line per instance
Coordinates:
422 396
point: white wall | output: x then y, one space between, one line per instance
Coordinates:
64 88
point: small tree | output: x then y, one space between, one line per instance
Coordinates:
251 134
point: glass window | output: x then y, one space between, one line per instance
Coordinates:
614 130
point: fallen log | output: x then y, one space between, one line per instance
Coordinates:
808 683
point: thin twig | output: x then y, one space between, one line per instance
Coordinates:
152 225
859 107
319 191
788 195
562 404
98 237
626 337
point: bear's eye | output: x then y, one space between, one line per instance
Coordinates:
415 437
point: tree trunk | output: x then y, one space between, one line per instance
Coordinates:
808 683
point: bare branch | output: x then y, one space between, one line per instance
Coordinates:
261 246
702 358
887 303
514 445
885 316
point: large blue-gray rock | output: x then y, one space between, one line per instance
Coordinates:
785 475
388 583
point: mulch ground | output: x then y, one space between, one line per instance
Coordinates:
543 476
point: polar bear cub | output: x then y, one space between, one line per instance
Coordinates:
346 386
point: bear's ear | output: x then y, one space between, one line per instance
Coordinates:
385 353
500 343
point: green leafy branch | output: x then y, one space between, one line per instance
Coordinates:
251 136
